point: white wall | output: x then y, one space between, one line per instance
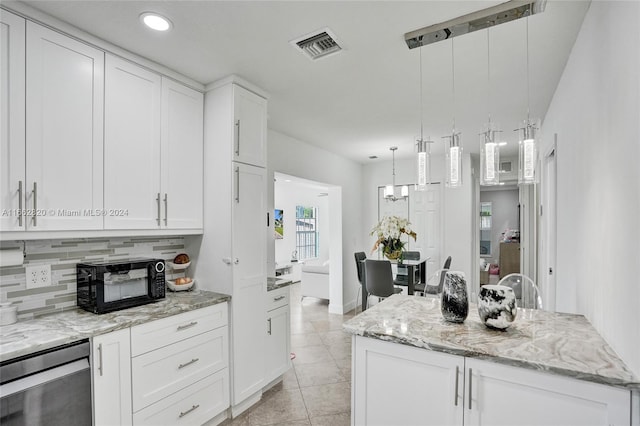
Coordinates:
504 215
595 113
457 210
294 157
288 195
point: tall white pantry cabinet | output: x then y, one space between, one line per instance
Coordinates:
232 257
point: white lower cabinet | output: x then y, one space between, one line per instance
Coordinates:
278 342
111 378
170 371
399 384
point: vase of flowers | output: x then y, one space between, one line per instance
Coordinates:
389 230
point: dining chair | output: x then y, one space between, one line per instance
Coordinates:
360 257
526 291
436 281
402 276
379 278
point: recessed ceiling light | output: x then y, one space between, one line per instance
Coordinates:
155 21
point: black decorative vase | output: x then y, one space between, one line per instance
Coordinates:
455 299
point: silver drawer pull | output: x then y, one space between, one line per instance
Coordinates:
184 413
188 363
191 324
20 203
455 396
275 299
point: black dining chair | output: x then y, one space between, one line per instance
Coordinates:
379 278
402 274
360 257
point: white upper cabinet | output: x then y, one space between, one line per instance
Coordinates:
132 146
182 156
250 127
64 136
153 150
12 125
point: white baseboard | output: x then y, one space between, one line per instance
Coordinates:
238 409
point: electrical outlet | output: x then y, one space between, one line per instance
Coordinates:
38 276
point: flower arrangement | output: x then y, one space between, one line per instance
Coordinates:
389 231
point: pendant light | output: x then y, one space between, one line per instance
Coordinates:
528 139
423 147
453 157
390 190
489 147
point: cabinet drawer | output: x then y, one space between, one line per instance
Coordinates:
160 373
194 405
277 298
163 332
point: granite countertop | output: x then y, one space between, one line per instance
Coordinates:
48 331
276 283
562 344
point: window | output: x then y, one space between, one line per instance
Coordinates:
306 232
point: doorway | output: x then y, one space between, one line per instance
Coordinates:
548 222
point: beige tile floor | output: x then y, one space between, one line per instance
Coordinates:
317 390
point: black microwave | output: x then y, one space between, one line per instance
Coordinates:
109 286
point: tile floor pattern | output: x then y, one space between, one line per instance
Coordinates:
317 390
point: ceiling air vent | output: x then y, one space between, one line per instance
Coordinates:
318 44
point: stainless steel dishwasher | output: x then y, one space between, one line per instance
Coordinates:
51 387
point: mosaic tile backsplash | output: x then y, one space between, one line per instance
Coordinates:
63 255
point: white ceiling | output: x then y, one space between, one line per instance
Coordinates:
365 99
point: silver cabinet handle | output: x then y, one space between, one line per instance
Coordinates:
237 184
184 413
35 203
269 330
455 396
470 377
20 203
100 359
166 208
236 261
188 363
191 324
238 137
275 299
158 203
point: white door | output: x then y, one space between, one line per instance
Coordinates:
132 146
12 124
401 385
249 225
250 127
64 121
182 154
549 220
277 353
424 215
505 395
111 371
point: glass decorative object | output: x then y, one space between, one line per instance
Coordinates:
455 297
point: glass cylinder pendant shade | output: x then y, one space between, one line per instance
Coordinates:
423 165
489 158
388 191
528 154
453 160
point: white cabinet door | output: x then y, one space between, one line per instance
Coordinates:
277 345
132 145
396 384
505 395
111 372
249 278
64 138
250 127
182 156
12 124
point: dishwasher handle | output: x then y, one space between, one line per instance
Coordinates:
35 380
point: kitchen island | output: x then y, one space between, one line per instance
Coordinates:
411 367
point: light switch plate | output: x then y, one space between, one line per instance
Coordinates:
38 276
